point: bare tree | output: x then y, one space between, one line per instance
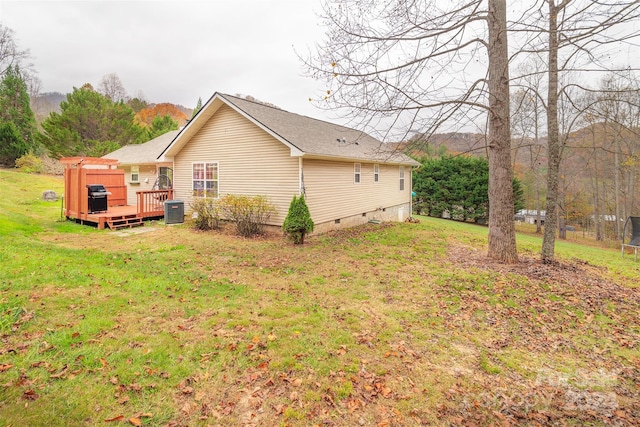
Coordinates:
111 86
576 37
415 65
10 53
528 110
617 107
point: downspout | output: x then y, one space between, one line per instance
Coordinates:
301 189
411 191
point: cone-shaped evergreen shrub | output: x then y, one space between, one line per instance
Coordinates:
298 222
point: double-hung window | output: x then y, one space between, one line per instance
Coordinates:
356 173
401 178
135 174
376 172
205 179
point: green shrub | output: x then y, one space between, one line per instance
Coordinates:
12 144
30 163
207 214
250 213
298 222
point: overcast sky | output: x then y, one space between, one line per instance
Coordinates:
179 50
173 51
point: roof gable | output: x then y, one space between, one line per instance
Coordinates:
146 153
303 135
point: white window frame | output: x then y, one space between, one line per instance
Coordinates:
203 179
401 171
357 173
376 173
135 174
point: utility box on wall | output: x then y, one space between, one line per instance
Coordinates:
173 212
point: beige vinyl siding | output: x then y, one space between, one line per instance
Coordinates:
250 162
146 172
331 193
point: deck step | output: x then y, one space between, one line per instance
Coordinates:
124 221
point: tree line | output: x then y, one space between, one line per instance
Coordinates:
456 187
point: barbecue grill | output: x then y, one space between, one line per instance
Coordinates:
97 194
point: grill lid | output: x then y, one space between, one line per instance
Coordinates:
96 189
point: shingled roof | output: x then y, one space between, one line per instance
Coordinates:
305 136
147 153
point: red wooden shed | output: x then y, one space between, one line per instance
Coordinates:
81 172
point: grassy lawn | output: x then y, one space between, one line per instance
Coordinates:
381 325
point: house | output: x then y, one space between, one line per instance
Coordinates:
530 216
242 147
143 169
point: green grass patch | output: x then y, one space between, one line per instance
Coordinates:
200 329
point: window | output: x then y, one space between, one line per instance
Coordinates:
376 172
135 173
356 173
205 180
401 178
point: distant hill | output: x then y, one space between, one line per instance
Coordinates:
420 145
45 103
525 151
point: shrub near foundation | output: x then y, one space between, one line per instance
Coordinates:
250 213
298 222
207 214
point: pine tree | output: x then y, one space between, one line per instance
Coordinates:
15 108
160 125
89 124
198 107
12 146
298 222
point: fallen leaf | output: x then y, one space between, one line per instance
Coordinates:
255 339
38 364
135 421
60 374
386 392
5 367
116 418
30 395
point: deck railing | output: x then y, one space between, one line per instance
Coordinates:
151 203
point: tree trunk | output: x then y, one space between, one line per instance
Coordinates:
537 178
616 161
553 144
632 182
597 214
502 235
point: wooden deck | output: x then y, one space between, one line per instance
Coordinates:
150 205
116 217
81 172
